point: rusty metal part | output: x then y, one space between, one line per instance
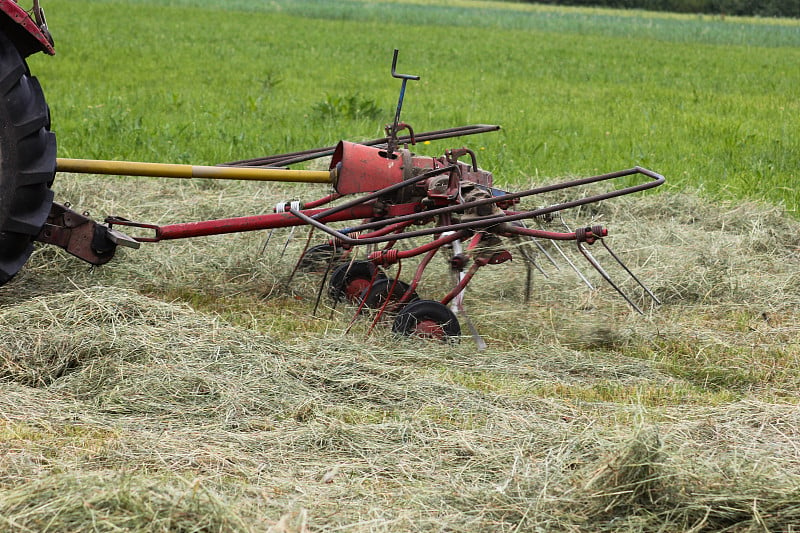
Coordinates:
656 180
29 35
486 223
81 236
454 154
281 160
363 169
393 255
382 192
391 145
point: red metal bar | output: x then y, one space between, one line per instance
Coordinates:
393 255
321 201
388 229
542 234
418 275
463 282
252 223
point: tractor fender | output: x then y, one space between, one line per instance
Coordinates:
23 31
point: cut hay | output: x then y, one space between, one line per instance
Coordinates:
188 387
112 501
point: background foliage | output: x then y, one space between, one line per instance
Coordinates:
761 8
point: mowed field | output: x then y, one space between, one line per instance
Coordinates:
192 386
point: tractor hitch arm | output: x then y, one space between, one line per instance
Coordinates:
81 236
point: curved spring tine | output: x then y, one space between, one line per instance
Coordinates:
324 280
528 279
575 268
457 304
631 274
288 240
524 249
266 241
541 249
592 261
605 275
546 254
571 264
529 260
300 258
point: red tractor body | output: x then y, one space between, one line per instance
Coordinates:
28 31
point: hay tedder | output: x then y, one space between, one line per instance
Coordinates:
385 204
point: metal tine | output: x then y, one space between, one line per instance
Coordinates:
589 257
324 280
541 249
572 265
522 246
592 261
480 344
288 240
563 256
266 241
528 279
546 254
567 259
302 254
631 274
458 303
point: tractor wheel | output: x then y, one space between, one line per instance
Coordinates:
374 297
427 319
27 160
350 280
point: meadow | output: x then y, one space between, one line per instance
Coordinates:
191 386
711 103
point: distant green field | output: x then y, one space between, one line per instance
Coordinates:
711 103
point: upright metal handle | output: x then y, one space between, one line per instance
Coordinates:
394 69
392 144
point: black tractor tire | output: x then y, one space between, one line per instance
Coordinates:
27 160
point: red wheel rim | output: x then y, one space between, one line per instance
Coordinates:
355 288
429 329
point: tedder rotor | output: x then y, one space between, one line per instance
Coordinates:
384 200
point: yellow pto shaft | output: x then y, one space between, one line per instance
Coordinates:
165 170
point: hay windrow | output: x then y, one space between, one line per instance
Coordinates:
112 501
190 383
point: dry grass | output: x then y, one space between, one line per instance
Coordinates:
185 387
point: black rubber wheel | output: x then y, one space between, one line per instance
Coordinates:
317 258
428 319
350 280
374 297
27 160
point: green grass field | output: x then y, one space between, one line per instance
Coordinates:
190 386
709 103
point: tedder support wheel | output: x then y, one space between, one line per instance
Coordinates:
27 160
374 297
427 319
350 280
317 258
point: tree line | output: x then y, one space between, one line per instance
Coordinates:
759 8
